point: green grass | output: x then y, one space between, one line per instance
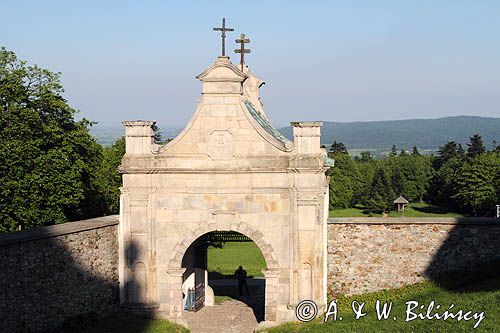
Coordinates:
125 323
226 260
467 299
412 210
222 299
351 212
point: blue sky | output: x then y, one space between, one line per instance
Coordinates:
321 60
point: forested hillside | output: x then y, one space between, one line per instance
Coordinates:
423 133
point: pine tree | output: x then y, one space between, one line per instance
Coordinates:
415 151
157 134
338 148
398 182
461 150
450 150
495 147
376 204
394 151
381 193
475 147
362 182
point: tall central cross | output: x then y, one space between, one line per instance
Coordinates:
223 30
242 40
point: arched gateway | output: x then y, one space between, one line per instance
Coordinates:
228 170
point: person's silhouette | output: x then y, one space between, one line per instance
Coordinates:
241 275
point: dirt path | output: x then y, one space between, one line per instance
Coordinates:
228 317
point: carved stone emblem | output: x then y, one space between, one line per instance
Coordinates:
220 144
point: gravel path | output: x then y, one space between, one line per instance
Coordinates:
229 317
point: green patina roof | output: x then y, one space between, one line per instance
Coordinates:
328 161
266 125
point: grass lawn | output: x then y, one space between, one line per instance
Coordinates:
476 297
412 210
226 260
125 323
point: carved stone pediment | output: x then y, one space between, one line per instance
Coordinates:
222 78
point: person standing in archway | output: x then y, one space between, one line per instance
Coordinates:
241 275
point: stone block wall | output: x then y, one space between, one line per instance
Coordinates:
50 275
370 254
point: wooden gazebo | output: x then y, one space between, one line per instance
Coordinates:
401 202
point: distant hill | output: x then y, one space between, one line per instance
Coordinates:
428 134
107 135
379 136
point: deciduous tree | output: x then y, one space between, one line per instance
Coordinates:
47 159
109 176
477 183
342 179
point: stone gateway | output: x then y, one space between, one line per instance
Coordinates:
228 170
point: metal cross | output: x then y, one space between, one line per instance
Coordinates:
223 35
242 40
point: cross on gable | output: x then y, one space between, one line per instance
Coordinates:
223 30
242 41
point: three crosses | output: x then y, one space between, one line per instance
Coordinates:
242 41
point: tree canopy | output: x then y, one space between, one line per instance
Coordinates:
476 146
48 160
465 182
338 148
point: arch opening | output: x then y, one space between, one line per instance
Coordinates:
224 266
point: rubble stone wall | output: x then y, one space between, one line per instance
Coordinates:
370 254
52 275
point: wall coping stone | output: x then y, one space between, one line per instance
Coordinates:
415 220
57 230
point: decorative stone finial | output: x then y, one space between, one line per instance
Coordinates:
222 78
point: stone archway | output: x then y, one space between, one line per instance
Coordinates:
243 228
271 273
228 170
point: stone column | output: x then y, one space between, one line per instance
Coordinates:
138 137
175 293
272 287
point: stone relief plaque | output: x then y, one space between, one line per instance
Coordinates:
220 144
